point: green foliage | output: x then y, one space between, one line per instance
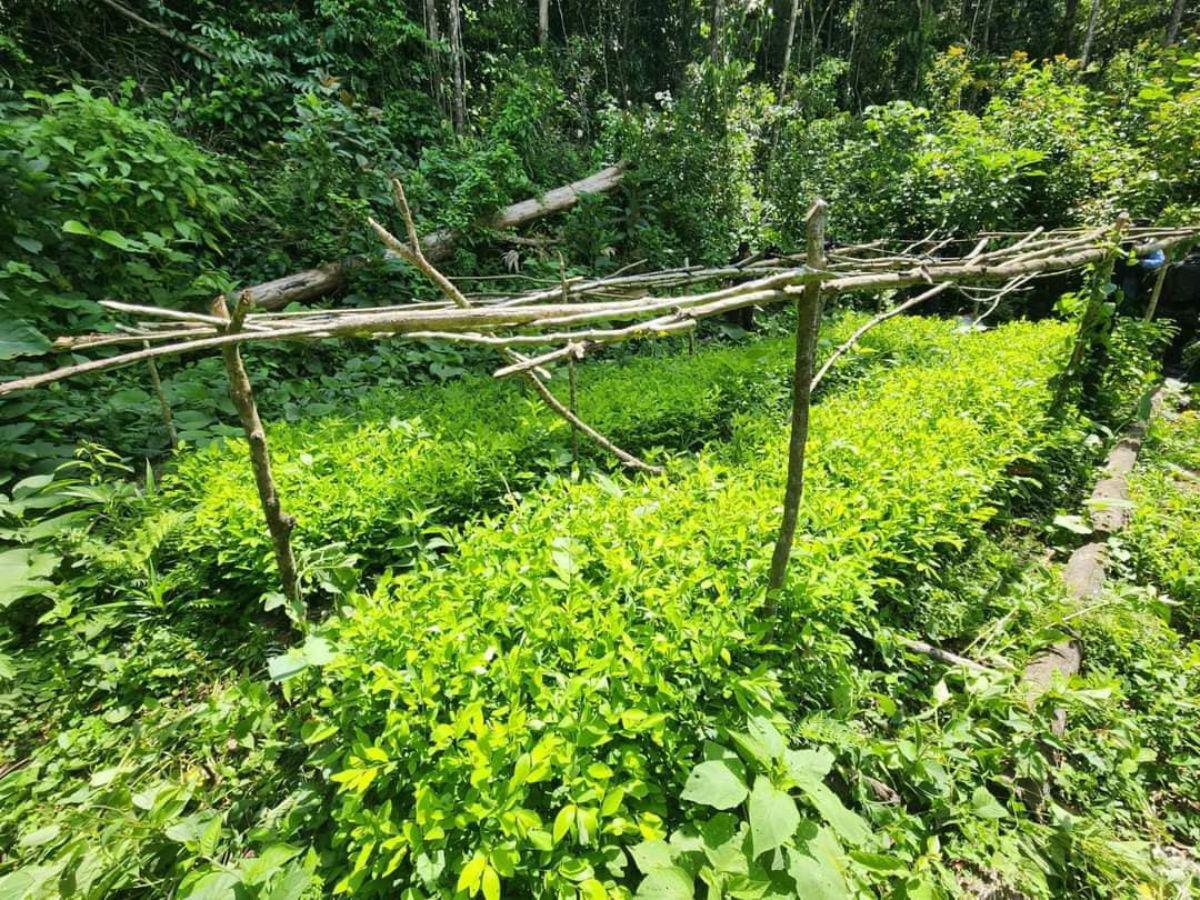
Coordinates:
531 703
768 847
1164 535
98 202
691 192
405 467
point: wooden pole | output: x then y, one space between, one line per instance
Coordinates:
808 320
574 409
279 524
1152 305
164 405
1087 321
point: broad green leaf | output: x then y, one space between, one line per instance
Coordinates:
292 884
25 572
19 338
773 816
879 862
761 742
209 886
848 825
472 874
985 805
717 783
651 855
808 766
74 226
115 239
671 883
815 866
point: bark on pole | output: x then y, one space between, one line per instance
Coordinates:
1152 305
279 524
808 320
163 404
436 245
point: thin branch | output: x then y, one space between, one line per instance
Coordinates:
160 30
867 326
414 256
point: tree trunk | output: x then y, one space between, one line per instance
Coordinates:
987 25
787 49
1067 30
543 22
279 524
1176 21
1093 16
717 24
808 320
435 55
459 107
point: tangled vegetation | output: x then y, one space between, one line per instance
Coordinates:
515 669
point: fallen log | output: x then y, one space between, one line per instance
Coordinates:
436 246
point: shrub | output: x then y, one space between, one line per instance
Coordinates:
1164 533
529 711
402 468
96 201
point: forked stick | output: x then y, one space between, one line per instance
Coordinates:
411 253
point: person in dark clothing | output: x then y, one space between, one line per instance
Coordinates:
1130 277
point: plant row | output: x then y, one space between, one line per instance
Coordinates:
386 479
526 715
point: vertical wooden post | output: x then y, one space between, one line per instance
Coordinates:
808 321
164 405
1152 305
279 524
566 298
574 409
1087 321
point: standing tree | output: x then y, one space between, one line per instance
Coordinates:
543 22
716 35
787 49
1093 16
435 53
459 107
1176 20
1067 29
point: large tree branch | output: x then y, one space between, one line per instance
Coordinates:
437 245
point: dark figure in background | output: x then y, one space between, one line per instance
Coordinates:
1131 277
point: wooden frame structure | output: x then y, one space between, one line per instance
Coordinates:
577 316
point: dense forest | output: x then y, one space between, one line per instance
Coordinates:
446 634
